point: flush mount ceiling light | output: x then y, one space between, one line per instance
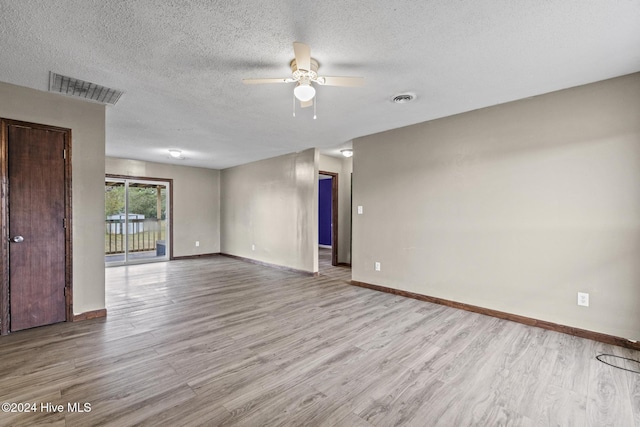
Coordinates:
347 152
176 154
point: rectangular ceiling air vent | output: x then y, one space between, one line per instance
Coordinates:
81 89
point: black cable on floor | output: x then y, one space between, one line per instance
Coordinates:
618 357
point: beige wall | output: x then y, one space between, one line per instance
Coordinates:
514 208
87 122
272 204
343 167
196 202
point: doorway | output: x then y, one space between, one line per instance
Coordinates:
35 288
137 220
328 215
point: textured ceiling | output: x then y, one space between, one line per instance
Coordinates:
181 64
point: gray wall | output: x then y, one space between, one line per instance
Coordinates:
515 207
87 122
196 202
343 167
272 204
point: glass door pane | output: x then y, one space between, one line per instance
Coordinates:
114 237
146 219
137 223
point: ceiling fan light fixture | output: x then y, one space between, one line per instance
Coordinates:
304 72
304 92
347 152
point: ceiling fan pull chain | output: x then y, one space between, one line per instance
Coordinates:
294 105
315 102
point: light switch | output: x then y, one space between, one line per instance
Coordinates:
360 210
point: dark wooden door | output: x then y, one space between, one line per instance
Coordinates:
36 177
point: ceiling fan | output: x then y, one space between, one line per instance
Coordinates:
304 71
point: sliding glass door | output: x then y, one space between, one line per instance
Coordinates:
136 221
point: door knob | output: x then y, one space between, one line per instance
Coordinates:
17 239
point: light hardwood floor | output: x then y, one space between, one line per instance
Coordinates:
217 341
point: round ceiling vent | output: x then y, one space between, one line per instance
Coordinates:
403 98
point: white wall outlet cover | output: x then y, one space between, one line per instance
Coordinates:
253 247
377 266
360 210
583 299
197 242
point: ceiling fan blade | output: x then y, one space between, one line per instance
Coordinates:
302 53
306 104
260 81
340 81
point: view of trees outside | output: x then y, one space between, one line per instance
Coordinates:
141 201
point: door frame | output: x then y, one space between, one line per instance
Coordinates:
169 208
334 215
5 308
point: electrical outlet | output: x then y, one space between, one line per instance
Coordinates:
197 243
583 299
377 266
253 247
360 210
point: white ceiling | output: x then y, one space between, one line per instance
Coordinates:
181 64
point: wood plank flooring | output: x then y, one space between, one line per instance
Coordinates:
221 342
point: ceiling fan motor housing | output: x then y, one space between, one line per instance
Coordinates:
298 74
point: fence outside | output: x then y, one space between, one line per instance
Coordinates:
143 235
